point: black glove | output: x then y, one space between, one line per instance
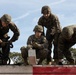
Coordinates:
10 44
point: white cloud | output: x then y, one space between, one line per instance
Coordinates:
25 15
13 2
33 11
58 2
20 17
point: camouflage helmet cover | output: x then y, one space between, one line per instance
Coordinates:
67 32
38 28
6 18
45 8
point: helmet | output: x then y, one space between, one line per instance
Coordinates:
38 28
45 8
6 18
67 33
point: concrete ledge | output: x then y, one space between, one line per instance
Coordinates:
15 70
37 70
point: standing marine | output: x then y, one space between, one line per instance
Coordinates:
53 29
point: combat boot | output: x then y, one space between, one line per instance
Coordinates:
57 62
40 62
25 62
72 62
49 62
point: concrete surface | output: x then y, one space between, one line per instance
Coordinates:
15 70
37 69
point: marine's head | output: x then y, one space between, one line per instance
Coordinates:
38 28
5 19
67 33
45 9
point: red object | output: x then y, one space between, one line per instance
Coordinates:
54 70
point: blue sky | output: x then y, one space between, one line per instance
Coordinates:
25 14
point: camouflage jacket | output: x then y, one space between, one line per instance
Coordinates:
5 30
67 37
52 23
42 41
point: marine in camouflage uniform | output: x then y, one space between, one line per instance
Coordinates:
37 42
52 24
5 26
66 40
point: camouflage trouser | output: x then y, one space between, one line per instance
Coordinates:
52 39
64 50
55 50
5 47
41 54
5 51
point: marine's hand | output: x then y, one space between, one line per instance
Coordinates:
1 41
29 46
36 45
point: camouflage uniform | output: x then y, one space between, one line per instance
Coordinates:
41 49
66 40
4 30
52 25
13 28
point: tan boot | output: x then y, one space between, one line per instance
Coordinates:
71 62
50 63
55 62
4 62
